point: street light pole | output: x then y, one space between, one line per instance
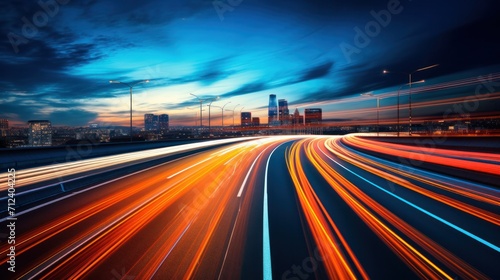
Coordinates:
378 106
209 106
234 109
201 116
410 78
421 81
222 108
130 87
241 110
409 94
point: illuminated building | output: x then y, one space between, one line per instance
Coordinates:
272 119
40 133
284 113
313 116
246 119
150 122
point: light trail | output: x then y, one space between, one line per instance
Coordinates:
44 173
481 240
220 215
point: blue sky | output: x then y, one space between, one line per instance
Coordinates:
56 59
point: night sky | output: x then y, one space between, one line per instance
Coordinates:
56 61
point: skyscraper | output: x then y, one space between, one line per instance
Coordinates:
273 110
246 119
40 133
163 123
150 122
313 116
284 113
297 118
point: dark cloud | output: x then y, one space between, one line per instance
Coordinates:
316 72
72 117
139 13
459 38
246 89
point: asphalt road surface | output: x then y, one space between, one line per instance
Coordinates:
303 207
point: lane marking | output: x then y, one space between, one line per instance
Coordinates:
266 252
248 173
93 187
469 234
402 166
170 251
185 169
40 268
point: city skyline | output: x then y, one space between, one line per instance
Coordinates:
71 57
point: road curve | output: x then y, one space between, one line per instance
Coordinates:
297 207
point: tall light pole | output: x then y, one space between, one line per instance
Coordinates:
421 81
409 94
378 106
131 86
241 110
222 108
195 115
201 116
234 109
223 113
209 106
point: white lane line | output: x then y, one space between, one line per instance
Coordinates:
170 251
248 173
469 234
75 246
266 250
91 188
185 169
229 245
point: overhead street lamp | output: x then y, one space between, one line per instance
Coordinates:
209 106
222 108
241 110
418 82
195 115
378 106
234 109
201 104
201 109
410 83
131 86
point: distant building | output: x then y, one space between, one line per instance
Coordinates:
39 133
283 112
255 121
163 123
4 127
297 118
150 122
313 116
246 119
272 111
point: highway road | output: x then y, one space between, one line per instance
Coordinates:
283 207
